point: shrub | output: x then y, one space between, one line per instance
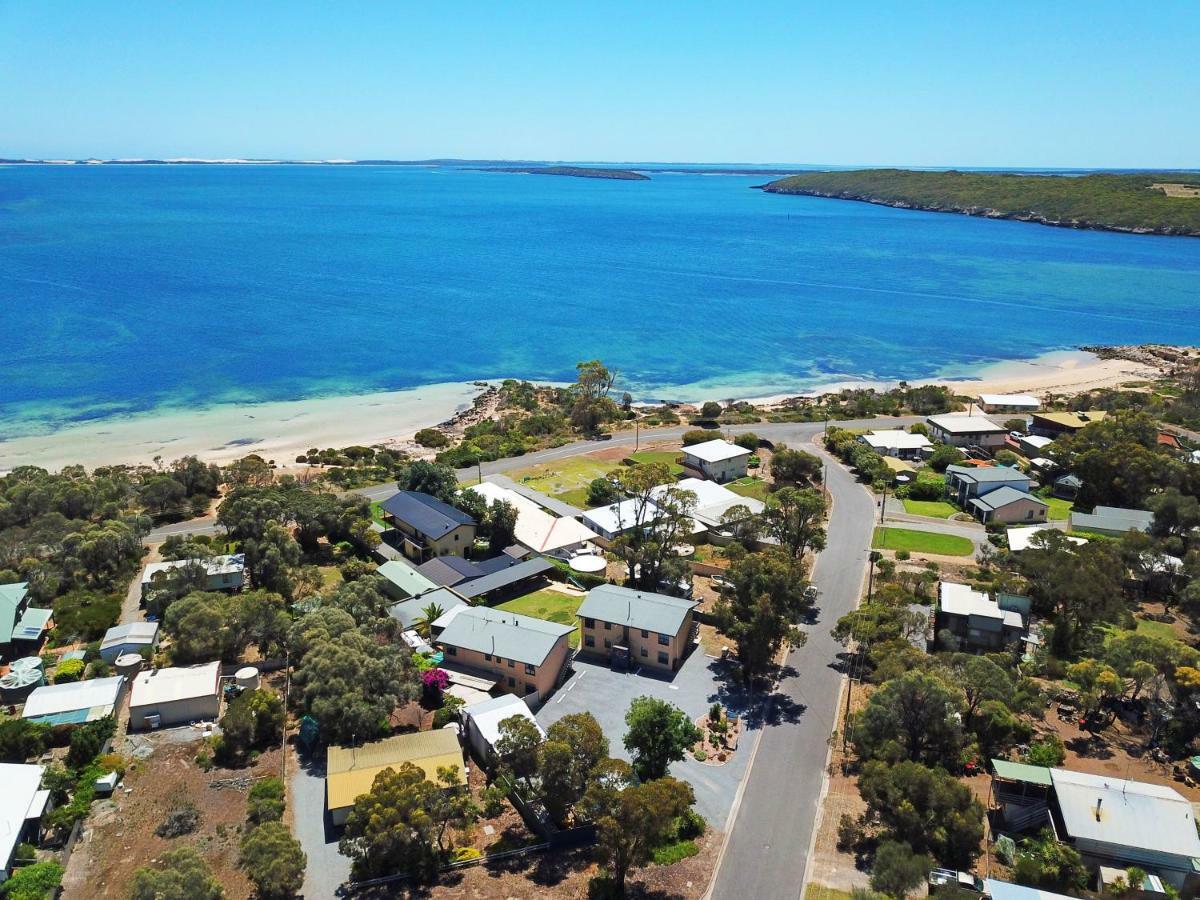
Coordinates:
696 436
36 882
21 739
747 441
266 802
690 825
69 671
700 755
903 555
183 819
273 861
1048 752
849 833
669 854
462 854
432 438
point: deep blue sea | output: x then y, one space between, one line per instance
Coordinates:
125 289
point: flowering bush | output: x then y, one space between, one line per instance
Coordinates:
435 680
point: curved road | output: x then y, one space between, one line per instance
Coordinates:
771 827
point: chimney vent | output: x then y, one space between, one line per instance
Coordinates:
1099 801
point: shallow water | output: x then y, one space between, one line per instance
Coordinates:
127 289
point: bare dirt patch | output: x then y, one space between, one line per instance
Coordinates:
1178 190
119 836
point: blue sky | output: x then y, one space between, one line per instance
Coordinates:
1069 84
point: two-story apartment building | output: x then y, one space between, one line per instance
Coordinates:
718 461
633 628
976 621
964 483
427 527
221 573
522 654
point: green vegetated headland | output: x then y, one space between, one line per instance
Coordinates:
1144 203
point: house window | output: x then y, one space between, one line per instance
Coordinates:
512 664
663 659
529 688
645 652
456 539
1029 515
607 644
452 651
589 641
589 623
530 670
645 633
488 657
512 682
665 640
608 626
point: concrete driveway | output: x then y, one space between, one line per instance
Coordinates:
327 869
700 682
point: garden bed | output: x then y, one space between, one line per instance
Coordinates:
720 737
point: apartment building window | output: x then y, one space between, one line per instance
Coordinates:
529 688
488 657
665 640
512 664
512 682
645 633
645 652
663 659
530 670
608 626
589 641
452 651
589 623
607 644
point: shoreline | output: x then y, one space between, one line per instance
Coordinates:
281 430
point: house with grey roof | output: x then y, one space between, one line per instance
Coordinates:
964 483
21 625
133 637
425 527
631 628
1113 822
971 620
1112 520
1007 505
412 611
518 654
402 580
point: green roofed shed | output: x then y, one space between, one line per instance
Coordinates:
1011 771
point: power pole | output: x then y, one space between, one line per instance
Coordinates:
883 505
637 435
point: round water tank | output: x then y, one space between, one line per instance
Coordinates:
128 663
246 677
19 684
27 663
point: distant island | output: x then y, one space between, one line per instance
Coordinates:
1143 203
572 172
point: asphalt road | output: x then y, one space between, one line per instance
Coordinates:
767 850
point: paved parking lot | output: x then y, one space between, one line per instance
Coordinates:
700 682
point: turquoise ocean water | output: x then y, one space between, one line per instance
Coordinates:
127 289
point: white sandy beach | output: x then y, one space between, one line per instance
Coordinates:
277 431
280 431
1059 372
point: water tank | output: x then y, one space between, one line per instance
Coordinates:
246 677
19 684
26 664
128 663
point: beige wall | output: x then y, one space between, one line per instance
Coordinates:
720 472
619 635
177 712
543 679
1016 513
454 543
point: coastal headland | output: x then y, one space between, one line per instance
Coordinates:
281 431
1142 203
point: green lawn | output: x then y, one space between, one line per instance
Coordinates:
938 509
1060 510
659 456
1156 629
549 605
750 487
566 480
921 542
377 512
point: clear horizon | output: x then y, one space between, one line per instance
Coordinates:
1075 86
